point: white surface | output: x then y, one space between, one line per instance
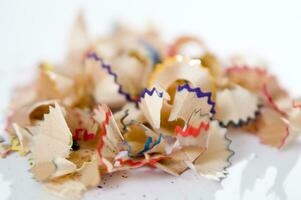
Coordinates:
34 30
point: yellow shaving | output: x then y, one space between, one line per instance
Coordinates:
159 67
170 60
47 66
15 146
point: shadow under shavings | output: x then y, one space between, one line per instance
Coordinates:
283 160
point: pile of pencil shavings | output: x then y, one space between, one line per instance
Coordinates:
129 100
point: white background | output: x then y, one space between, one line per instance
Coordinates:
34 30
